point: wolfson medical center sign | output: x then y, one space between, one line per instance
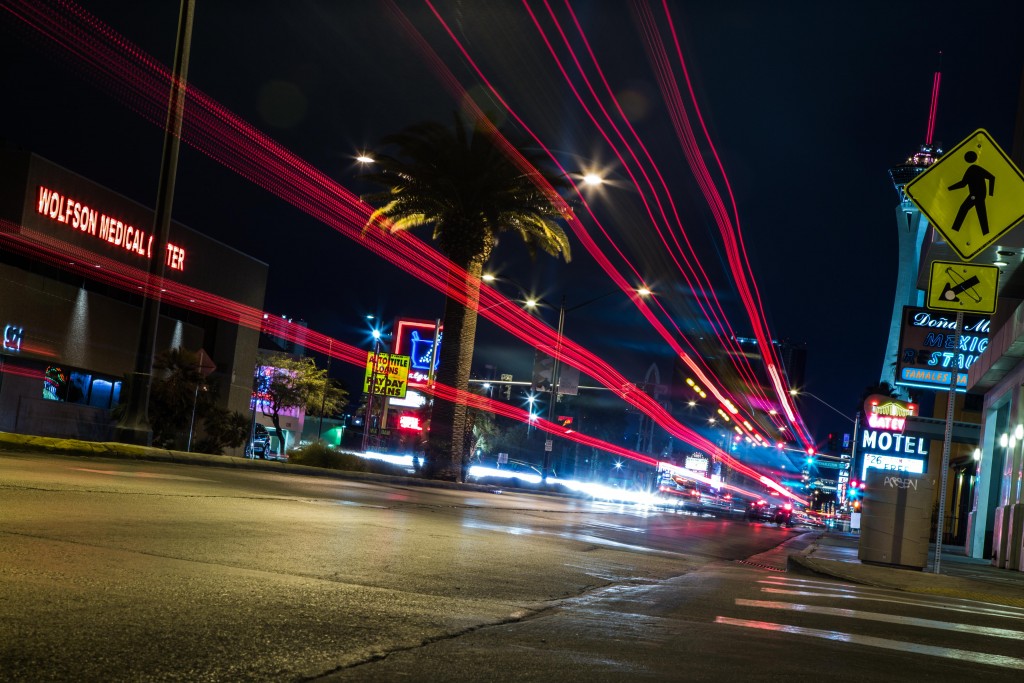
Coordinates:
929 353
88 220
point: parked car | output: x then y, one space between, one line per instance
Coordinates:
260 445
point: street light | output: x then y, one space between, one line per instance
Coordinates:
373 388
192 423
556 365
532 302
327 381
794 392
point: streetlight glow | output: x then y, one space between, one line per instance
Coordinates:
365 159
592 179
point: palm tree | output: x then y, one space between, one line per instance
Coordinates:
460 184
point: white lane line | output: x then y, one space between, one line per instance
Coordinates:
882 643
987 611
790 579
137 475
886 618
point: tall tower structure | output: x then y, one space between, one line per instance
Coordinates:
911 227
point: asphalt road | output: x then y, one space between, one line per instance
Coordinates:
123 570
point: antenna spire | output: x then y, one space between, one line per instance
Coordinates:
933 110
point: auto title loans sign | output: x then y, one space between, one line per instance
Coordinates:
927 356
90 221
882 445
389 375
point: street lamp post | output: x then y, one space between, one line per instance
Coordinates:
532 302
556 364
134 425
373 389
794 392
323 398
192 423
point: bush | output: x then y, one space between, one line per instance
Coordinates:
319 455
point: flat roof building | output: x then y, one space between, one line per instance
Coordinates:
71 252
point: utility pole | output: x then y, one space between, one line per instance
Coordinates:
134 426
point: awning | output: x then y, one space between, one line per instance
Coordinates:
935 429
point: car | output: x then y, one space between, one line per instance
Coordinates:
763 511
260 445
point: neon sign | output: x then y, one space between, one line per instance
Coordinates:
888 413
891 451
13 336
415 338
409 422
930 353
90 221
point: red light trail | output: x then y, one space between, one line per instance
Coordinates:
108 271
213 130
578 229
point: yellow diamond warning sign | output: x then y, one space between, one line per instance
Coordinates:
973 194
955 286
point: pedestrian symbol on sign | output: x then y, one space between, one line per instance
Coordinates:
979 183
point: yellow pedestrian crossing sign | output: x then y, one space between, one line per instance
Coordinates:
955 286
973 194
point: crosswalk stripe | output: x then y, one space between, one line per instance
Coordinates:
974 609
882 643
886 618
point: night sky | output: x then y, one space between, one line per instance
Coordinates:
807 104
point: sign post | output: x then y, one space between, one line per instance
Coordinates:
947 440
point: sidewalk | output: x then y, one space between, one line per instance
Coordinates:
834 554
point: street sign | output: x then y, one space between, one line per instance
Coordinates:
973 194
954 286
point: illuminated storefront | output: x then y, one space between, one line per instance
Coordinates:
69 336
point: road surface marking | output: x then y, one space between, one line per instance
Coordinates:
882 643
139 475
886 618
994 611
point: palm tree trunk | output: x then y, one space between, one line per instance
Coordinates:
448 420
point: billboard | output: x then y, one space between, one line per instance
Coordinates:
387 373
927 356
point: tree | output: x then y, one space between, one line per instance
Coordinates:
179 391
182 398
222 429
468 191
297 383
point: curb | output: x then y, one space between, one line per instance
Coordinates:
24 444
